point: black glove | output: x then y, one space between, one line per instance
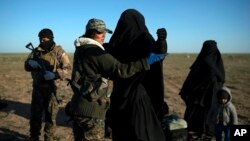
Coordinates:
162 33
161 43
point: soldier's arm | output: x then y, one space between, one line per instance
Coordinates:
114 68
65 67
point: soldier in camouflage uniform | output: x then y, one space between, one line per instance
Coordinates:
92 70
48 64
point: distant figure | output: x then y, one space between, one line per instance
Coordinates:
223 114
205 78
48 64
93 69
137 102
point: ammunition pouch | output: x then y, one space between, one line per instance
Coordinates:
94 88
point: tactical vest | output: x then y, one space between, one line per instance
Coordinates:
51 59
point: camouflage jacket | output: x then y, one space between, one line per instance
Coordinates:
56 60
92 65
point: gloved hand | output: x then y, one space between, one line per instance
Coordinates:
162 33
155 58
34 64
49 75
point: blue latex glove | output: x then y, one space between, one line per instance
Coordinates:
34 64
49 75
155 58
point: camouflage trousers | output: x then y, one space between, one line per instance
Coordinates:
88 129
43 102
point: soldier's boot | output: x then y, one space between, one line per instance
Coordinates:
49 131
35 127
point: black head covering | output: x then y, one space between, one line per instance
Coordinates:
46 33
48 45
223 95
210 58
124 42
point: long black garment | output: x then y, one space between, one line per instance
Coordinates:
206 76
135 102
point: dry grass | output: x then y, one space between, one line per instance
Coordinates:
16 90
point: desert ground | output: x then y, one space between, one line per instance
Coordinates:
15 90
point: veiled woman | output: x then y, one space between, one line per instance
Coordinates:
136 102
205 78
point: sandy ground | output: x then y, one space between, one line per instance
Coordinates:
16 90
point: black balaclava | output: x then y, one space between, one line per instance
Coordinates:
47 46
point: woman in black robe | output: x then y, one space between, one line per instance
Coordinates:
206 76
136 102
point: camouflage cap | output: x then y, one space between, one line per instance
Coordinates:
98 25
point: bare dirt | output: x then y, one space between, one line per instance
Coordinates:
15 90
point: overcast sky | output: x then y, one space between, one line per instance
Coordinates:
188 22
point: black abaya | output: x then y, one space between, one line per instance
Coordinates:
206 76
135 102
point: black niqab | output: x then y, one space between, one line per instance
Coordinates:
130 28
131 108
206 77
210 57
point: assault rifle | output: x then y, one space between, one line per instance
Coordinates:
37 58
